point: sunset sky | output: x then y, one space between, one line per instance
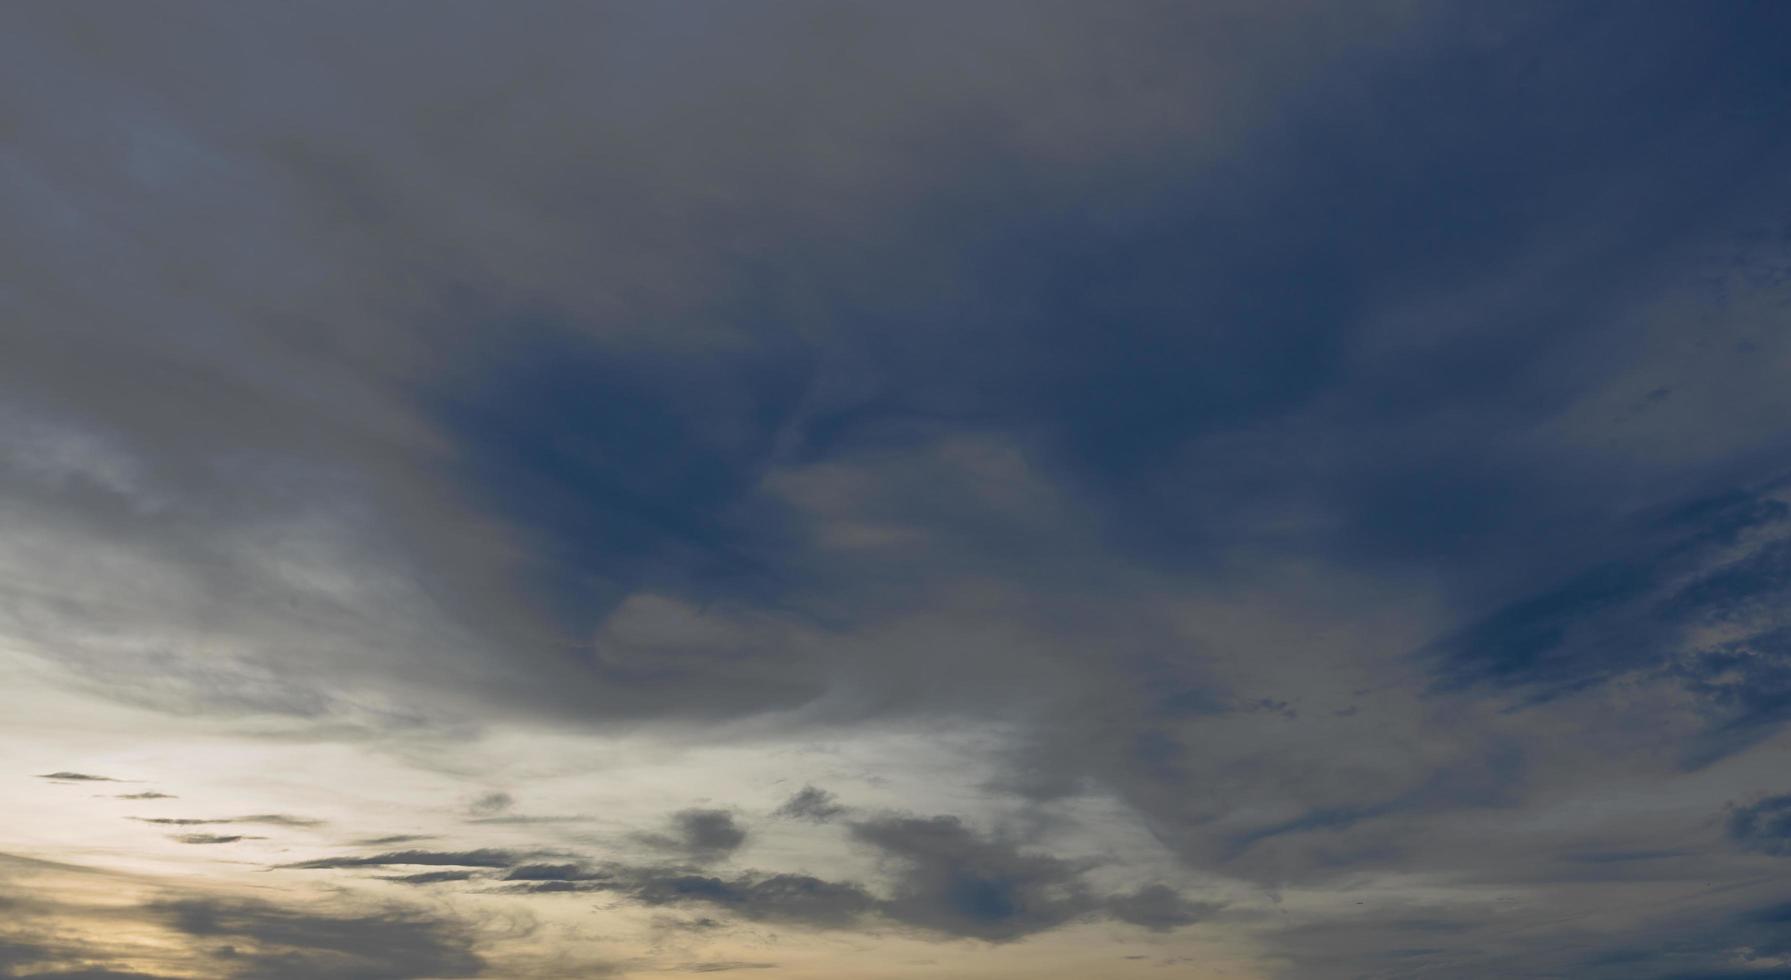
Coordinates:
1002 489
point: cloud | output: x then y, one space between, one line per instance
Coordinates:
98 975
1763 827
269 819
272 943
213 838
811 804
151 795
795 899
479 858
950 880
699 834
77 777
73 921
430 877
491 804
94 974
1715 560
278 820
557 872
1158 908
390 839
945 880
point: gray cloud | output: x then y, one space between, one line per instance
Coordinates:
952 881
390 839
213 838
1158 908
52 911
788 898
794 899
76 777
521 819
99 974
491 804
268 819
945 879
479 858
699 834
1764 826
557 872
274 943
431 877
812 804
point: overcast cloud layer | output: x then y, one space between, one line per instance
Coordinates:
886 490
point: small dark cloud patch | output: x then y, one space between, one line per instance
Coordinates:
278 820
152 795
795 899
1763 827
701 923
213 838
699 834
520 819
391 839
725 966
430 877
491 804
1158 908
556 887
557 872
267 819
478 858
65 776
811 803
950 880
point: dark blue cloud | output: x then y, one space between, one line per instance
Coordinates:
1721 563
627 468
1763 827
1179 344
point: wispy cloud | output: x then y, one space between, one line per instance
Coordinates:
269 819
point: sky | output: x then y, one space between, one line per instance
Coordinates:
869 490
